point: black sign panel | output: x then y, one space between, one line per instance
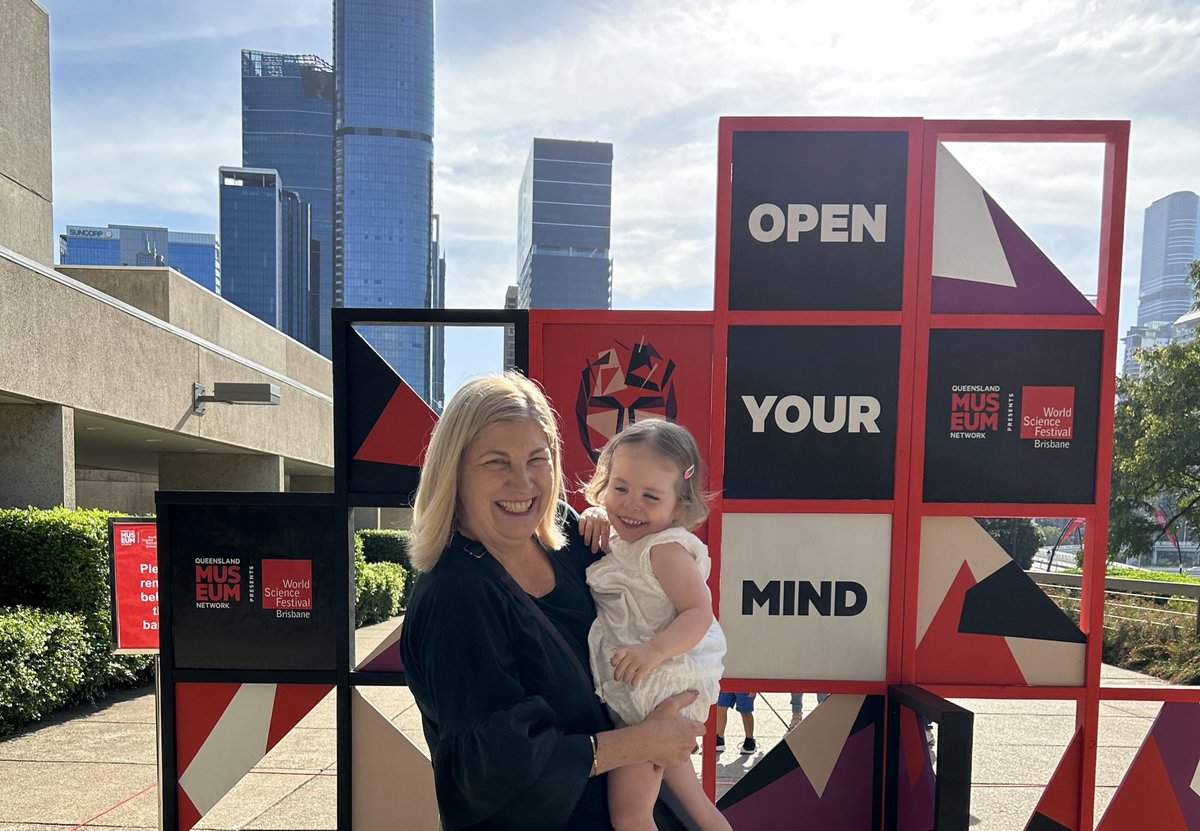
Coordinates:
817 220
252 587
1012 416
811 412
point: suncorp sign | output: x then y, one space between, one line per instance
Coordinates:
100 233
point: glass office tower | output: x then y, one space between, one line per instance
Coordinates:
1170 242
383 170
287 126
196 256
295 236
564 226
250 202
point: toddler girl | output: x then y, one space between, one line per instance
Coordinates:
654 633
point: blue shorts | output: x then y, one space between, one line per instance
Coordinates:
742 702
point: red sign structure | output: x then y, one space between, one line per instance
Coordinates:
133 566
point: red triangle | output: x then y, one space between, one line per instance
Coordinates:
914 746
1060 800
401 431
292 703
1144 799
198 708
188 815
947 656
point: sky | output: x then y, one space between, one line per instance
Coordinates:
145 101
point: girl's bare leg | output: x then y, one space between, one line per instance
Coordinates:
632 792
686 787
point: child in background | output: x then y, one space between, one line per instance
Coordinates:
744 704
654 633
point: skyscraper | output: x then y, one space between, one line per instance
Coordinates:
266 244
1170 242
287 126
564 224
196 256
437 334
510 335
383 170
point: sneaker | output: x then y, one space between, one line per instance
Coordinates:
720 743
749 746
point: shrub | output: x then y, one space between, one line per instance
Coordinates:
382 588
45 661
57 560
386 546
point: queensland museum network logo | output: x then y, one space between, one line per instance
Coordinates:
981 411
626 383
219 582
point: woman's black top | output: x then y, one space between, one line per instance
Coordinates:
506 716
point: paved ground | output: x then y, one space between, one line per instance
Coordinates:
94 766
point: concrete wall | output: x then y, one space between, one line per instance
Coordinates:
173 298
37 456
62 345
115 490
26 221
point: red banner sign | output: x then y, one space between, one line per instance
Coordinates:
134 568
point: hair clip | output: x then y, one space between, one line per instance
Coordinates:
687 474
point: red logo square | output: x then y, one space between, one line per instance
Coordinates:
1047 412
287 584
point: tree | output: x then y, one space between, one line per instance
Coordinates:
1019 537
1156 444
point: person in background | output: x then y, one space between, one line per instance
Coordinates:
744 704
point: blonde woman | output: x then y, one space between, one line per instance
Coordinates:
495 638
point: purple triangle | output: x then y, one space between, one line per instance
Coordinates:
1176 731
388 660
1041 288
790 800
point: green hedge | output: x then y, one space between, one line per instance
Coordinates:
384 546
46 662
382 589
56 561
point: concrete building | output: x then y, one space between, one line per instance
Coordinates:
101 363
196 256
564 226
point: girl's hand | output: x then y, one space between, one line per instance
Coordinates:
631 664
594 527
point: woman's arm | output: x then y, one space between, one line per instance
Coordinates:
680 578
665 738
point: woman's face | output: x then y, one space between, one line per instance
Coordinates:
506 478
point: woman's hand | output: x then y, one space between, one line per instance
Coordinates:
593 527
631 664
670 736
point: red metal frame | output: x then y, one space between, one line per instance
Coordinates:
907 508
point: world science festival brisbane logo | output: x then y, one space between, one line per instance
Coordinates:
984 411
627 383
286 586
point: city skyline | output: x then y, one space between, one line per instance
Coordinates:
654 85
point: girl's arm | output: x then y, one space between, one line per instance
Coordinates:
680 578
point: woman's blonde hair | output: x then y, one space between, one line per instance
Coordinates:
674 443
478 405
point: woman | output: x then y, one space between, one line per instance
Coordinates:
495 637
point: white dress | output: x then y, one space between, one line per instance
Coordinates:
631 608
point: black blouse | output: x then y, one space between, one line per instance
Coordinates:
505 717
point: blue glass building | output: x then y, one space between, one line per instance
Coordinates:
287 126
564 226
1170 242
196 256
383 171
266 230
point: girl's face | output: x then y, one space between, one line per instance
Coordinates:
641 497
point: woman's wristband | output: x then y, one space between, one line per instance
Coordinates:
595 752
